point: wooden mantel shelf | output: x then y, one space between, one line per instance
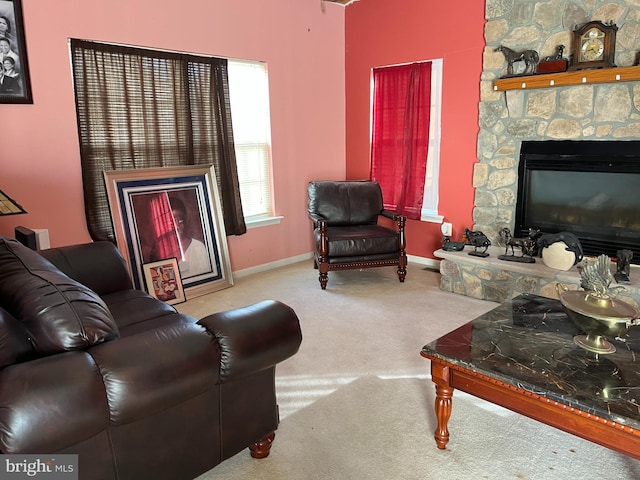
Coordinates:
564 79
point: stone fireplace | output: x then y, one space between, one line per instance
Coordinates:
605 111
608 111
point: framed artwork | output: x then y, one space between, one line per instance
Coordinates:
163 280
15 85
171 212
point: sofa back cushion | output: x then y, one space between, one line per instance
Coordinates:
15 345
59 313
346 203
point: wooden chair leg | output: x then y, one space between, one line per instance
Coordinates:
262 448
402 273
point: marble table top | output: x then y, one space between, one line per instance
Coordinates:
528 343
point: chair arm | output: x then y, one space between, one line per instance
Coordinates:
400 222
254 338
318 220
393 215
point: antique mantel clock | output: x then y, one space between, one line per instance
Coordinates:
593 46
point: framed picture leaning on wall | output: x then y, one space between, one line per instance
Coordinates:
171 212
163 281
15 84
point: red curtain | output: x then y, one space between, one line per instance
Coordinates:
400 136
165 230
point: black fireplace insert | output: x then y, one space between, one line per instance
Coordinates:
590 188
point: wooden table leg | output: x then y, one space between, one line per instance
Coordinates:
444 392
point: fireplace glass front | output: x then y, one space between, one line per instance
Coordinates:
588 188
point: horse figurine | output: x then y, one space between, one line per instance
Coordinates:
529 57
526 245
477 240
512 243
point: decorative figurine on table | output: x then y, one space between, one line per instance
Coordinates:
449 246
623 265
560 250
526 246
477 240
554 63
529 57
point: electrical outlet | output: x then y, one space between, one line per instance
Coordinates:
446 229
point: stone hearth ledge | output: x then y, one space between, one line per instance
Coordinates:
490 278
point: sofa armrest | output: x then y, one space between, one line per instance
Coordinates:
154 370
99 266
50 403
254 338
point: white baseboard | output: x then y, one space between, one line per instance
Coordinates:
427 262
271 265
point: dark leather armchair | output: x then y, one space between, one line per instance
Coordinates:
346 231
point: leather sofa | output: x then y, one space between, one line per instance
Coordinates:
91 366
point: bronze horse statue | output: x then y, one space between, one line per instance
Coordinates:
529 57
526 245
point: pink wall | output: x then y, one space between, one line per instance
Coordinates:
304 48
381 32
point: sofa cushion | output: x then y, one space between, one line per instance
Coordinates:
14 340
130 307
59 313
360 240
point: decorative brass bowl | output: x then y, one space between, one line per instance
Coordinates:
598 316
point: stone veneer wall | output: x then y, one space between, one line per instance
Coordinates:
596 112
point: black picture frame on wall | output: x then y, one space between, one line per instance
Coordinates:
15 84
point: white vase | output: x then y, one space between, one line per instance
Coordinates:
557 256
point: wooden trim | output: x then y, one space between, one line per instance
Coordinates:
448 377
564 79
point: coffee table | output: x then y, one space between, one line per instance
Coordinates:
521 355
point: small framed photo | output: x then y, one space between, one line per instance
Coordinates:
162 213
163 280
15 84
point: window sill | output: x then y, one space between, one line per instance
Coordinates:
262 222
433 218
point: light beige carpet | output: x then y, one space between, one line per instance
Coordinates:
356 401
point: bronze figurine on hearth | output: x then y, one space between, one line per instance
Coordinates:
526 246
450 246
478 240
623 265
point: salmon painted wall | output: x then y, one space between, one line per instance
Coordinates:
379 33
302 43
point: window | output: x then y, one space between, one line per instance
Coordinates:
405 145
141 108
249 93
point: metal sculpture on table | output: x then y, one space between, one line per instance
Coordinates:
529 57
477 240
594 309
